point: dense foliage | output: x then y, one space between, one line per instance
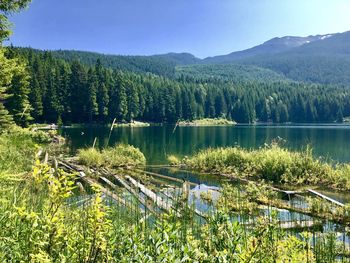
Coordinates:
230 72
41 224
73 92
139 64
17 146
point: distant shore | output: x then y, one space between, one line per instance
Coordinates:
207 122
133 124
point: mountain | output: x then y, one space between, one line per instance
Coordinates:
325 61
272 46
321 59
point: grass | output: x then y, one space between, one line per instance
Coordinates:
42 228
118 156
274 164
173 160
18 147
207 122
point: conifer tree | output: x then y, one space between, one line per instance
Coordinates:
92 106
18 104
6 67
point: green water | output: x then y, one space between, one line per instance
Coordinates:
156 142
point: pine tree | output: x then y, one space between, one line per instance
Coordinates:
18 104
6 68
118 105
92 106
78 95
133 101
7 7
35 98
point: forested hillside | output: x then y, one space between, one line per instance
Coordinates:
72 92
323 59
319 59
229 72
272 46
140 64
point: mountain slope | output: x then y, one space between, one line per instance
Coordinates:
229 72
324 61
179 58
272 46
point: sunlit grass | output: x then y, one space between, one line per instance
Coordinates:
117 156
273 164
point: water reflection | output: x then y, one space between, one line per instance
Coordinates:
156 142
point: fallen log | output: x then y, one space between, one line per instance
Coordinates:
165 177
326 197
150 194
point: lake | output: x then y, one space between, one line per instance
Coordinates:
158 141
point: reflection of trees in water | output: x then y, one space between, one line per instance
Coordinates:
158 141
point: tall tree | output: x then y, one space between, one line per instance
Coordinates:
6 73
79 97
18 104
7 7
92 106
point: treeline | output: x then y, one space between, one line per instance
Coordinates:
158 65
71 92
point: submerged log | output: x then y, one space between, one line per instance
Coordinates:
134 193
150 194
165 177
326 197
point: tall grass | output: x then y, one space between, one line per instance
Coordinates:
38 226
273 164
18 147
118 156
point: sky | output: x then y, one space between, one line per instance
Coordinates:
146 27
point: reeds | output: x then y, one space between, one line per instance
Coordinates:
273 164
118 156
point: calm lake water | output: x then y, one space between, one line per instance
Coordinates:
156 142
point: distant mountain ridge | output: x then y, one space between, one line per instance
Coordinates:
319 59
272 46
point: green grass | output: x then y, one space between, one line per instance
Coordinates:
173 160
118 156
273 164
18 148
38 226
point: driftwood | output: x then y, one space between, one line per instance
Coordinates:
150 194
134 193
326 197
165 177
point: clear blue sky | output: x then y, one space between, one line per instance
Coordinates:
201 27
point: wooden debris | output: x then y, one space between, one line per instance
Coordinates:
326 197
